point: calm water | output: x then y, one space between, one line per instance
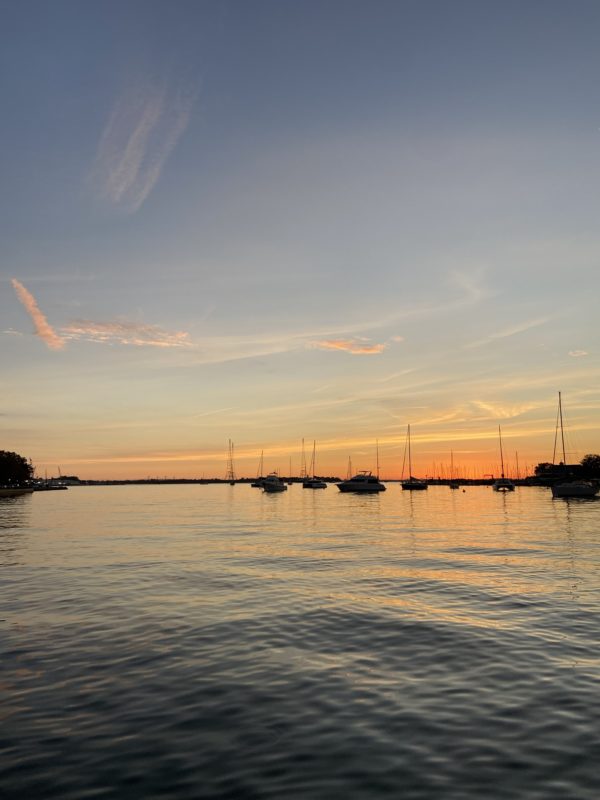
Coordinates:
216 642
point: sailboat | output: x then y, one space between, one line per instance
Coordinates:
577 488
258 483
412 484
502 484
314 482
452 483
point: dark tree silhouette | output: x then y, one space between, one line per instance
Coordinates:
14 468
591 465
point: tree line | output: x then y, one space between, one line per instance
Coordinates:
588 467
14 468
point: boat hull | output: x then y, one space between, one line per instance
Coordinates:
372 489
414 486
503 485
576 489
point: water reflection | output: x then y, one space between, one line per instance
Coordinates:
302 644
14 520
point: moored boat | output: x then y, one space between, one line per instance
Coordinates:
364 482
314 482
273 483
259 482
575 489
502 484
452 483
412 484
569 488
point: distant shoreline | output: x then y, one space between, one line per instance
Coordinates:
206 481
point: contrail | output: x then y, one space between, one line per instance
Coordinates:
145 125
42 327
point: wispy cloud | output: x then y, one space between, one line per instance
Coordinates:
125 333
142 131
501 411
354 346
42 327
511 331
578 353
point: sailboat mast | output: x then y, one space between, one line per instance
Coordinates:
377 456
501 456
313 466
556 434
230 476
260 465
562 432
409 458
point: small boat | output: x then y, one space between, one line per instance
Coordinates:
314 482
259 482
363 482
502 484
566 488
273 483
575 489
452 483
411 484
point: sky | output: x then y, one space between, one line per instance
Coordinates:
273 220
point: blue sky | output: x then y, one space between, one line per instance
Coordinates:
269 220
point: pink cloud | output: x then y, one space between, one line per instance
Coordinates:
127 333
354 346
43 328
